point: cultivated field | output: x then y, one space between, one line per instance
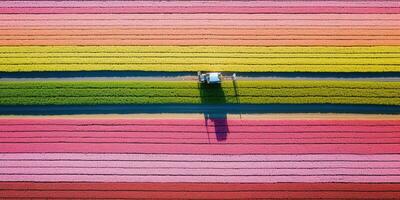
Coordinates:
199 136
200 58
99 99
243 92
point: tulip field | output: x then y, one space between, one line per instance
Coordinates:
107 158
200 58
260 92
200 99
195 137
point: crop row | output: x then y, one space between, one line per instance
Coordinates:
199 61
196 55
192 62
191 85
200 67
262 92
196 49
47 122
198 92
201 58
195 100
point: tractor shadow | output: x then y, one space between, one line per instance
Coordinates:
214 94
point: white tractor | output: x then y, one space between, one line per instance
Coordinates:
210 77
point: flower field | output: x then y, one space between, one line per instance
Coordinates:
251 92
141 158
248 148
99 99
201 58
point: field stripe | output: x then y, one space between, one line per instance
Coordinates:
200 158
200 148
199 49
201 22
377 3
212 187
205 31
196 122
220 191
193 58
214 138
183 17
193 30
195 179
197 37
196 172
199 136
308 92
61 165
201 61
146 136
198 168
202 9
199 15
198 129
189 187
200 195
211 42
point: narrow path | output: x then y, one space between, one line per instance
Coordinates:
191 76
215 111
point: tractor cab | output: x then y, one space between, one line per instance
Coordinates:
210 78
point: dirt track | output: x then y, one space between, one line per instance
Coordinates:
191 76
211 110
295 116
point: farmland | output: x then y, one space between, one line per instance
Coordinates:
245 92
200 58
197 136
293 99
